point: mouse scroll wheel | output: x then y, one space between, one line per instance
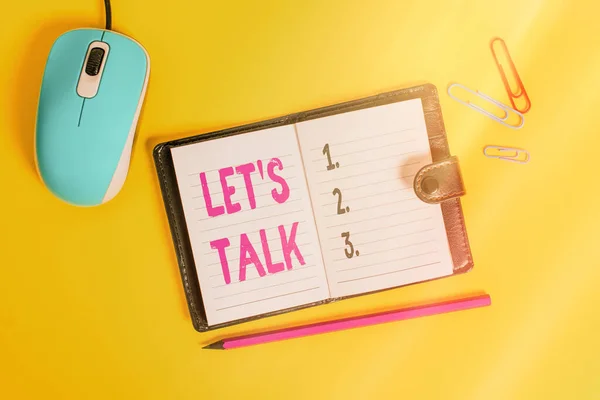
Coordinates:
94 61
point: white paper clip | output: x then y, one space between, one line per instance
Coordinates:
505 109
507 153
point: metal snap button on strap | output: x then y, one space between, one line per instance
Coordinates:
430 185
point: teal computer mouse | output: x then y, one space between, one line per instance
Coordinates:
93 87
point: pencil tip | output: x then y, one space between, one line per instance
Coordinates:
215 346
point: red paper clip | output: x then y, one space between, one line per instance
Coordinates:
520 92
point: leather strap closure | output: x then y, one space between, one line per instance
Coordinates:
439 181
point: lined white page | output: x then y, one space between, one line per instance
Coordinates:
271 282
373 155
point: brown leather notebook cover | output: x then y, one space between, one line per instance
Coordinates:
440 182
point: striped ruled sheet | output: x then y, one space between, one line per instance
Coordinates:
253 206
375 233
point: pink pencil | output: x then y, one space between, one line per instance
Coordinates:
354 322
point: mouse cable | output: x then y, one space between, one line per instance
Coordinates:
108 15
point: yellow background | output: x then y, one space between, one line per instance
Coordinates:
91 302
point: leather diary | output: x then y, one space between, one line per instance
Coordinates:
314 207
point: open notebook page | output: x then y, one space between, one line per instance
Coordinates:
255 244
375 233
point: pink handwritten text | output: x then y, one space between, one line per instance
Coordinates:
249 256
280 194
